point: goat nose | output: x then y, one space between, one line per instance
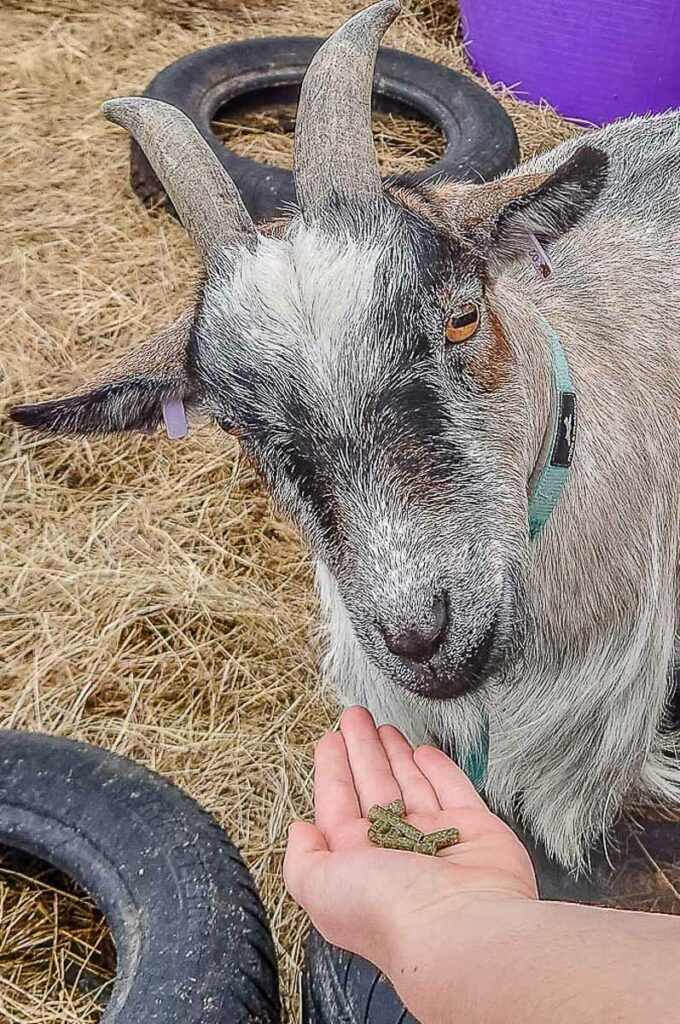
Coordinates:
420 642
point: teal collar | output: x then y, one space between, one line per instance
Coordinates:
545 487
554 461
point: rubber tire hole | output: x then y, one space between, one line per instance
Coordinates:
261 125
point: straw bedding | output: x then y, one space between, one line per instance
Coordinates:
151 602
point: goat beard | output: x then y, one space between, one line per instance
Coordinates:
561 770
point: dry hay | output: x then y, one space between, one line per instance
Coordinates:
151 601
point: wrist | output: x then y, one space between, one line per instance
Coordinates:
434 952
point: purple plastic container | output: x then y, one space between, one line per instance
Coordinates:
591 59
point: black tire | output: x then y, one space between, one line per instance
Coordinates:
192 941
481 140
341 988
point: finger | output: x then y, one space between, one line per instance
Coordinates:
374 781
335 799
452 786
306 854
418 795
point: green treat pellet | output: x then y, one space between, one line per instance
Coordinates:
388 829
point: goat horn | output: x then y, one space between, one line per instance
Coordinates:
334 151
204 196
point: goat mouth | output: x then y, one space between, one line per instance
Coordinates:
436 682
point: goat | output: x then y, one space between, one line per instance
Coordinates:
384 357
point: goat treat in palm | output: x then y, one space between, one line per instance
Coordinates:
387 828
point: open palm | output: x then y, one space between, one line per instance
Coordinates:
358 895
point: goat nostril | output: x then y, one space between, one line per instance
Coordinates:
420 642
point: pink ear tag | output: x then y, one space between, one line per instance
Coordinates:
539 257
175 418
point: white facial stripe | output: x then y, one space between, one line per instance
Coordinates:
302 294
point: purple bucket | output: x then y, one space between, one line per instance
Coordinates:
593 59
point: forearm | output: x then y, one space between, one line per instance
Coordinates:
532 962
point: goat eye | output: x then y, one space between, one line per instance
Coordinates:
228 427
464 324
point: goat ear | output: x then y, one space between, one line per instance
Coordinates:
129 396
508 211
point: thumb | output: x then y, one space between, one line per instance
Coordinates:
307 850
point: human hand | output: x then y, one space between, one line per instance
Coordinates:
372 901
